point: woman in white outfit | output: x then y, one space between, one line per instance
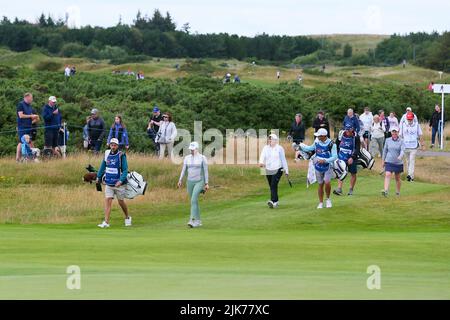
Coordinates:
166 136
273 160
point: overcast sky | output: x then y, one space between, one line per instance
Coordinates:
250 17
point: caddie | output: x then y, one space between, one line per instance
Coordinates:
114 168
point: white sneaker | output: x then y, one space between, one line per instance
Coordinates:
191 223
128 222
270 204
197 223
329 205
275 204
320 206
103 225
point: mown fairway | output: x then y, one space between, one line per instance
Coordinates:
244 250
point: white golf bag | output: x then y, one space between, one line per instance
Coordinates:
340 169
135 185
365 159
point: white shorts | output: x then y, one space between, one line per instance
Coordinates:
119 192
324 177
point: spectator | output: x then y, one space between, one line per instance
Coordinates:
297 130
67 71
195 166
227 78
430 86
377 132
96 131
393 152
153 126
278 74
273 160
367 120
25 118
27 152
140 75
411 134
320 122
403 118
350 117
384 120
237 79
52 120
434 123
393 122
119 131
166 136
73 70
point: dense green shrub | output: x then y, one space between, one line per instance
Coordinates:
48 65
72 49
229 106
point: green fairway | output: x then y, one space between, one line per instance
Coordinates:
244 250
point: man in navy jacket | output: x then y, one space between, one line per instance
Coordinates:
52 121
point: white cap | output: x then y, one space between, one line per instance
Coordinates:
273 136
321 132
193 145
408 109
393 128
52 99
114 140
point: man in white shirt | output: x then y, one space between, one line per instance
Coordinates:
273 160
67 71
411 133
367 120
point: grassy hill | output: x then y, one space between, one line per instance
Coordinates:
244 250
260 75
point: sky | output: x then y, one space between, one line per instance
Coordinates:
251 17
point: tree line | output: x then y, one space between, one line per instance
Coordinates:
423 49
155 36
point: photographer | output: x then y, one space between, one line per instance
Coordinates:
115 168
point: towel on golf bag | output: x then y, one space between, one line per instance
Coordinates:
135 185
311 177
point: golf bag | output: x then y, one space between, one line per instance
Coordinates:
135 185
340 169
365 159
